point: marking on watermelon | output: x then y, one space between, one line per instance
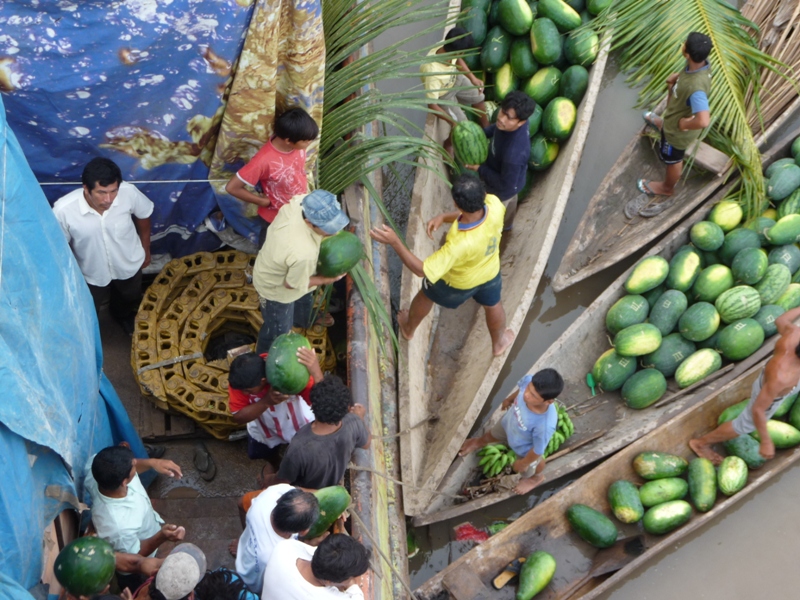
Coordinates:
678 355
739 326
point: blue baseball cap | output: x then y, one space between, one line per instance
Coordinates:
322 210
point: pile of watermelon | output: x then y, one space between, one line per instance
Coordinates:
529 46
716 299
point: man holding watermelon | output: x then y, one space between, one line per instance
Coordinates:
780 378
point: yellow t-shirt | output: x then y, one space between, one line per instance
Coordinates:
471 253
290 254
437 85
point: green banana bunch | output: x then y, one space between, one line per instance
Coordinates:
564 429
494 459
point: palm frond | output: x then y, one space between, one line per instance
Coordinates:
651 34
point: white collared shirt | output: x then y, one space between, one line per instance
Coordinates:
106 246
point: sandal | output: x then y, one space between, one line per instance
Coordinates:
651 120
642 186
203 462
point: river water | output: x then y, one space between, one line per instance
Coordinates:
759 533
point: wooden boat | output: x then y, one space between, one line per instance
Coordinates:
603 424
605 235
545 527
447 370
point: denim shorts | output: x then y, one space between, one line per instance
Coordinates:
668 153
486 294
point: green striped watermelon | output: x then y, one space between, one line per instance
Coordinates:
739 302
785 231
790 298
766 318
788 255
611 370
711 282
735 241
774 283
697 367
470 144
790 206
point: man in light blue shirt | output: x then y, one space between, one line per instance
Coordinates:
527 427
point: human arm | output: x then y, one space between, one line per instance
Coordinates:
763 401
308 358
143 229
508 401
237 188
436 109
698 120
522 463
386 235
136 563
252 411
785 323
502 183
360 411
461 65
167 533
439 220
316 280
160 465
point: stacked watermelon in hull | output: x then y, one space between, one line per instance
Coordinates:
714 300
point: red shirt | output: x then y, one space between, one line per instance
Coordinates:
282 175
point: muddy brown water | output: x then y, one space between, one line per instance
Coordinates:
760 532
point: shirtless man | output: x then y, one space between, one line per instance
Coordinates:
780 378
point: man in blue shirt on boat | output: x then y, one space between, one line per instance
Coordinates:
527 426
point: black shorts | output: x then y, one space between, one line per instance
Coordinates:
486 294
668 153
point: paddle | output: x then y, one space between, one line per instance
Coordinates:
511 571
607 561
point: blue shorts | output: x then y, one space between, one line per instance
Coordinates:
486 294
668 153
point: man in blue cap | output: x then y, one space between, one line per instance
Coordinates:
285 271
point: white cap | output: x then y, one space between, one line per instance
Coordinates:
181 571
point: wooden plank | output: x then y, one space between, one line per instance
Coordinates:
463 584
709 158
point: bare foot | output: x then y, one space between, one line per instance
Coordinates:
705 451
402 320
233 547
266 471
526 485
505 341
470 446
659 189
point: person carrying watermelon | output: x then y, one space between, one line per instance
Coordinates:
285 272
505 169
467 266
780 378
452 80
686 115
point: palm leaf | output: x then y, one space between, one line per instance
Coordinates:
651 34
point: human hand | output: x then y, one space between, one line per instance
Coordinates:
172 532
477 82
507 403
146 258
672 79
434 224
358 409
274 397
308 358
767 448
126 594
472 167
384 234
317 540
166 467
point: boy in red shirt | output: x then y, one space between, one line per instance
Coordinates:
279 167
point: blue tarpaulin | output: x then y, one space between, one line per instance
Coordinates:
57 407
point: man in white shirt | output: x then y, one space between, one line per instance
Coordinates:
121 510
279 513
332 571
107 226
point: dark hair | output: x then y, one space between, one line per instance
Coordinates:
797 351
338 558
221 584
522 104
469 193
698 46
247 371
462 44
548 383
295 511
296 125
100 171
156 594
111 466
330 400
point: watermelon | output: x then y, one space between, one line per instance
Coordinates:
746 448
543 153
697 367
476 22
647 274
611 370
727 214
505 82
284 373
683 270
710 342
750 265
333 501
470 144
735 241
785 231
788 255
574 82
790 298
637 340
766 318
339 253
710 258
731 475
559 119
545 42
534 121
761 225
521 58
85 566
543 86
581 47
515 16
778 165
595 7
770 213
783 182
740 339
670 354
739 302
707 236
774 283
790 206
733 411
711 282
562 14
495 50
628 310
699 322
785 407
643 388
666 312
653 295
796 148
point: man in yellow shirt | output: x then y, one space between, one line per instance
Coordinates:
284 274
467 266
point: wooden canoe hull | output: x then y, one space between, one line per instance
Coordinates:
545 527
447 371
605 236
573 355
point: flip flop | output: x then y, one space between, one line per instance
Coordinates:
649 120
656 208
203 462
642 186
633 206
